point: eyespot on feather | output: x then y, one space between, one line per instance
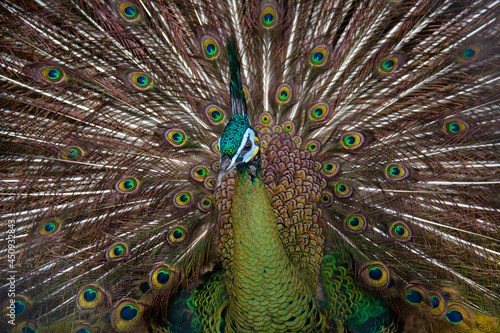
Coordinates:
268 16
183 199
50 227
215 114
327 198
163 277
454 126
470 53
177 235
390 64
91 297
71 153
117 251
319 111
375 275
355 223
330 169
128 316
395 172
52 74
459 317
352 140
400 231
199 173
140 80
438 305
313 146
210 47
176 137
84 328
205 204
20 308
417 297
288 127
127 185
343 190
284 93
129 12
266 120
319 55
209 183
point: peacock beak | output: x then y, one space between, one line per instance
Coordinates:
225 167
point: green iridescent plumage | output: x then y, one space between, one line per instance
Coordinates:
233 135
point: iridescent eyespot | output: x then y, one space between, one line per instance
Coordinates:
117 251
375 275
343 190
355 223
330 169
454 126
50 227
288 127
326 198
163 277
129 12
18 305
416 296
210 47
400 231
90 297
216 166
284 93
319 55
209 183
215 146
183 199
205 204
128 316
52 74
470 53
127 185
390 64
317 166
176 137
277 129
140 80
297 140
266 119
71 153
83 328
177 235
352 140
313 146
319 111
458 314
215 114
395 172
199 173
245 93
438 305
269 16
28 327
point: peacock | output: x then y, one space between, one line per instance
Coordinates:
254 166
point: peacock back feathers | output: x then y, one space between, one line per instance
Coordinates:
378 149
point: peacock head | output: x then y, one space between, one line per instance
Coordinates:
238 145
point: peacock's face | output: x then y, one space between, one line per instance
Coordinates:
238 144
